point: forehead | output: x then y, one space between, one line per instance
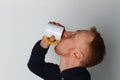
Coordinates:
85 34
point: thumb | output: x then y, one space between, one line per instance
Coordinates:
52 38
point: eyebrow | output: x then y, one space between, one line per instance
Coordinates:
82 30
77 31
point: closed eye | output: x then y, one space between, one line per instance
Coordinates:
73 36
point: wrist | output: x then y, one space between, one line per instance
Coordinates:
43 44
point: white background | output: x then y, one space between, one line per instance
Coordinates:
22 24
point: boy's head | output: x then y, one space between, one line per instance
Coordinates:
83 46
97 49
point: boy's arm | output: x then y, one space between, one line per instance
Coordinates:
37 59
37 62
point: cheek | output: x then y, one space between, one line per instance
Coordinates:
62 48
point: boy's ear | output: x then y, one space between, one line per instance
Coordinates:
78 55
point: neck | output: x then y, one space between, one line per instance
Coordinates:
67 63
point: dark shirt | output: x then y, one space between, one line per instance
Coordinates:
50 71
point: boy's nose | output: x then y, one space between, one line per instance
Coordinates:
67 34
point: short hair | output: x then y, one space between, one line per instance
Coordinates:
97 49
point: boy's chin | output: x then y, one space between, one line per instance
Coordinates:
56 50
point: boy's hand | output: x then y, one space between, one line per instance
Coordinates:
44 44
52 38
55 23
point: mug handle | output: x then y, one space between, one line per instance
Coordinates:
49 42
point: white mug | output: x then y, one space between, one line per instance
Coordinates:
55 30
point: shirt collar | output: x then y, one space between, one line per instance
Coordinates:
72 72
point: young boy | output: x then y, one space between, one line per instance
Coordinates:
77 50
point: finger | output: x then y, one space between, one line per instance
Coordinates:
55 23
52 22
43 38
52 38
58 24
